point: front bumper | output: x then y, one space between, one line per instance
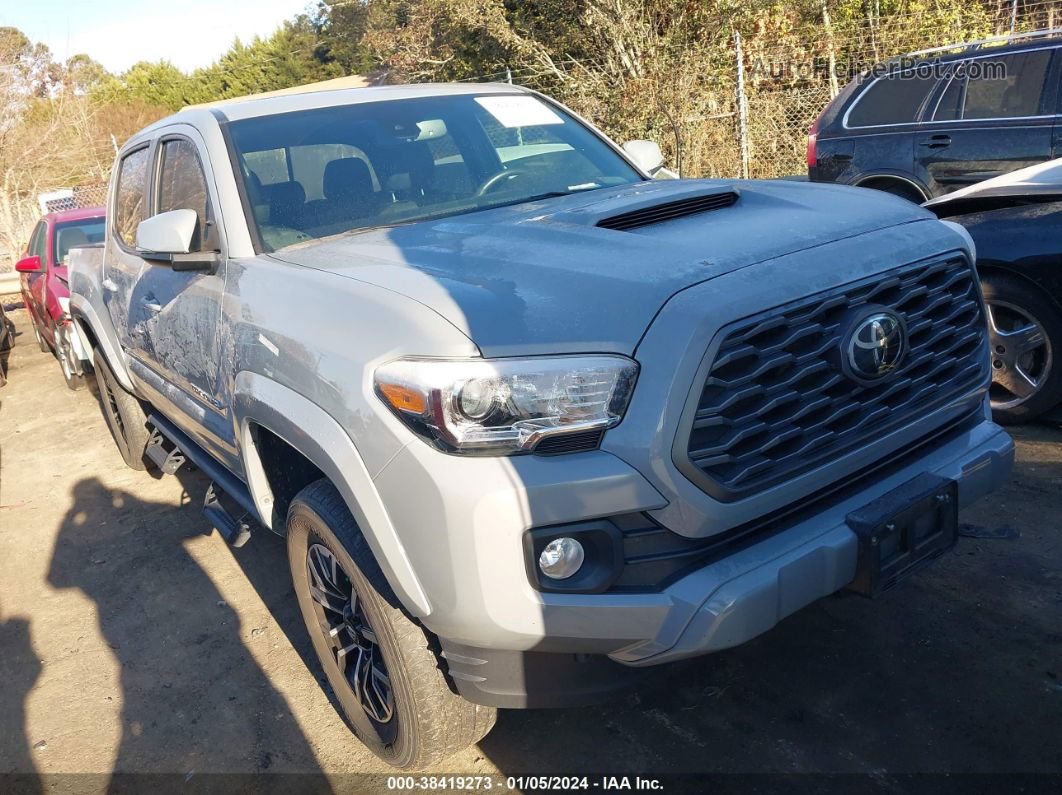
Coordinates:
496 629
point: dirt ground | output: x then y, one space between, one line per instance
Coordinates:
133 639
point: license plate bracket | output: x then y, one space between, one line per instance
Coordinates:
902 531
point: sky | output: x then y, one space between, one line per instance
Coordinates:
118 33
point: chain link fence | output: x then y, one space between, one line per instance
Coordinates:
94 195
747 113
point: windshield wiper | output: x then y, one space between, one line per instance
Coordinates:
536 197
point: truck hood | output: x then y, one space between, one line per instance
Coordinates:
543 277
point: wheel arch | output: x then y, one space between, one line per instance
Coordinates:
1002 269
94 335
259 404
883 177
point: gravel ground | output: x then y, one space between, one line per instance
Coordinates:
133 639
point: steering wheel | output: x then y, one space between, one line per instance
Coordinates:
493 181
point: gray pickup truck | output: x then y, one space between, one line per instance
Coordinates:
532 422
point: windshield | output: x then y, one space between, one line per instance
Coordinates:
320 172
69 234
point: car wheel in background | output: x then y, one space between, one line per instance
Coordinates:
68 361
1025 343
45 348
124 414
378 659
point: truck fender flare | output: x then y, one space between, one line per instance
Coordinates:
259 400
84 315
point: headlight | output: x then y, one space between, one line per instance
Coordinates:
505 406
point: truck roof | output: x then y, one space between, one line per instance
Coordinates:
323 97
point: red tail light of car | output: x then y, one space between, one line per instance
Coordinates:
813 141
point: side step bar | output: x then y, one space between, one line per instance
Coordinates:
234 528
236 531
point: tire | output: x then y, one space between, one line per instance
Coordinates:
64 352
1025 341
124 414
428 722
41 343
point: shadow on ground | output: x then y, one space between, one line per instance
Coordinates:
184 669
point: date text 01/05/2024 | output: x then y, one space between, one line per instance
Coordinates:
523 783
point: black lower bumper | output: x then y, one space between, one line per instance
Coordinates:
532 679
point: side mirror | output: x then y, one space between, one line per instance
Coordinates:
646 155
28 265
168 237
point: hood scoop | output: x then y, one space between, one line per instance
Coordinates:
668 211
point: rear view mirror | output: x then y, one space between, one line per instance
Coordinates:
28 265
168 238
646 155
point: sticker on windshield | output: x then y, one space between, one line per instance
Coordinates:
519 111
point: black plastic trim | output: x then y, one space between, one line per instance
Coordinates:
534 679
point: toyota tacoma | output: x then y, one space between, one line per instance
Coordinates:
532 422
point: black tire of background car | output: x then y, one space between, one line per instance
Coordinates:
125 415
65 354
1031 299
45 348
433 722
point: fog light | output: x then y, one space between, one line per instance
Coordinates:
561 558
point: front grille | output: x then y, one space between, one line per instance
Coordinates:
775 402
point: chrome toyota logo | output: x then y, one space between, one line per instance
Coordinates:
876 345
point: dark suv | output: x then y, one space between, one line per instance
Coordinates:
925 124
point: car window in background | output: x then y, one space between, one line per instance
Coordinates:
950 105
129 196
1009 86
320 172
893 99
76 233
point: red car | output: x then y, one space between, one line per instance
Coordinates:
44 281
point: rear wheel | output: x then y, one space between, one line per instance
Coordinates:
378 660
124 414
1025 338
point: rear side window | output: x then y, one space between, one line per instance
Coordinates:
893 99
129 196
1006 87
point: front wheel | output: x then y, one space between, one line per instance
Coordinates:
41 342
1025 341
378 660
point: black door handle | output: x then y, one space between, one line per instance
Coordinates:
936 141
